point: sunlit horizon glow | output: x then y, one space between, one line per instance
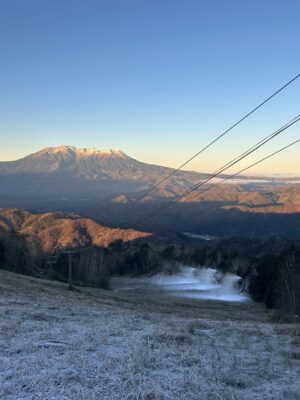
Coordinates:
264 169
158 80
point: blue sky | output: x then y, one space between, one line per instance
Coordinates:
158 79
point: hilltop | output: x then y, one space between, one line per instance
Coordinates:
52 231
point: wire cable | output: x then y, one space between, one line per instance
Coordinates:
222 169
241 157
246 153
217 138
245 169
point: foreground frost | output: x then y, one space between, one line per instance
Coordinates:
95 345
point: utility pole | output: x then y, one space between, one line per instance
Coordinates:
70 263
70 276
52 260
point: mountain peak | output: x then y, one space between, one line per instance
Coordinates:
89 163
83 152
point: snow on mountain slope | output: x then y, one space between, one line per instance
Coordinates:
110 171
68 158
66 173
85 162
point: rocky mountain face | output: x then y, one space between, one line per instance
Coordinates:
52 231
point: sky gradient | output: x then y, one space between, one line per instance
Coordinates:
158 79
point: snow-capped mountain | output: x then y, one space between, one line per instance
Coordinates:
85 163
65 170
108 185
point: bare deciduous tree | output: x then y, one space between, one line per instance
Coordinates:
289 275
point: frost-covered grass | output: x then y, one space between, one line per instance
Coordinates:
92 344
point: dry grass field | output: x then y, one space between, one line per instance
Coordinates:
96 344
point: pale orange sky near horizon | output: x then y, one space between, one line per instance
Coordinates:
286 163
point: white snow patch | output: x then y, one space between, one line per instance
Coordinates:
201 283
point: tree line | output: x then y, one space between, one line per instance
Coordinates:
270 268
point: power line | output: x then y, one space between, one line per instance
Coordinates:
217 138
222 169
225 167
258 143
241 157
245 169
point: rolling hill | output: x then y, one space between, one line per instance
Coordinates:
52 231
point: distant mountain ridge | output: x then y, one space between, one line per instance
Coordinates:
82 161
52 231
69 167
87 163
108 186
66 170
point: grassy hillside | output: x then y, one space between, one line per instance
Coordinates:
94 344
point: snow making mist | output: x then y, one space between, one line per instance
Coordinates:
201 283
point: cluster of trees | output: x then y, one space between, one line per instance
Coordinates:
14 254
276 282
270 268
92 266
